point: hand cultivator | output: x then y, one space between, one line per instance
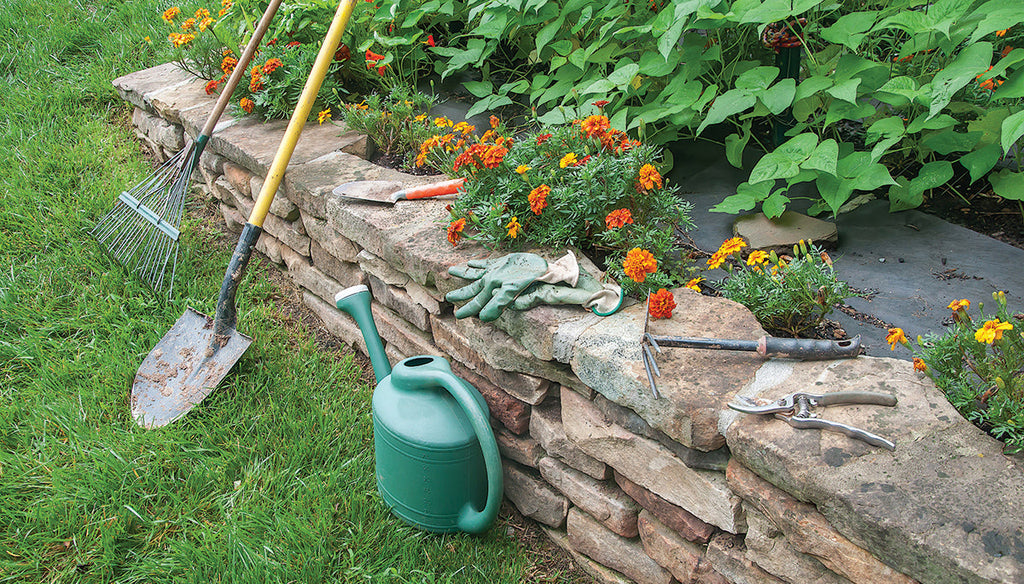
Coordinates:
141 231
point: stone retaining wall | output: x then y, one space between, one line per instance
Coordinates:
635 488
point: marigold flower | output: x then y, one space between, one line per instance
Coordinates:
211 86
962 304
661 304
493 156
919 365
495 122
180 40
371 56
538 198
323 115
246 104
513 227
618 218
895 337
567 160
227 65
256 83
757 257
205 23
455 231
594 126
716 260
443 122
188 24
294 44
732 245
430 41
1001 33
601 103
638 263
464 127
649 177
521 169
202 13
694 284
171 13
272 65
542 138
992 331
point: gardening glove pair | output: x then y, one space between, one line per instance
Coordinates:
525 280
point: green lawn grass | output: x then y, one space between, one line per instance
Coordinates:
270 479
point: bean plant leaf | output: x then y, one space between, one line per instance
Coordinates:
834 190
924 122
729 103
778 97
623 74
746 198
479 88
757 78
973 60
546 34
846 91
1013 88
1001 18
982 160
736 143
784 161
910 194
849 30
898 91
824 157
1012 129
1008 184
774 205
488 103
949 141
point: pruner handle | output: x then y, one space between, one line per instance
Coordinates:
808 349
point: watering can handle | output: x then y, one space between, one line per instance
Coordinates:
473 520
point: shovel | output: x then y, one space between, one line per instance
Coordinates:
390 192
199 351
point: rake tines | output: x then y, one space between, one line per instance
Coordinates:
141 231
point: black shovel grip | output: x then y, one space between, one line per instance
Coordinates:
809 349
226 316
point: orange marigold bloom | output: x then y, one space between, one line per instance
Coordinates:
513 227
618 218
962 304
538 198
638 263
661 304
649 177
371 56
594 126
205 23
246 104
494 122
493 156
567 160
542 138
716 260
323 116
171 13
271 65
188 24
757 257
694 284
731 246
1001 33
202 13
455 231
227 65
895 337
211 86
919 365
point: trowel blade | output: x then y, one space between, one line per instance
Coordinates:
184 367
378 191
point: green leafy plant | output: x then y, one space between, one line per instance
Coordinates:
789 297
582 184
979 364
397 123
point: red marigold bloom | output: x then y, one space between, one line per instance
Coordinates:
246 104
649 177
272 42
601 103
455 231
294 44
471 155
430 41
618 218
494 122
271 65
493 156
594 126
211 86
543 138
538 198
371 56
638 263
227 65
661 304
380 70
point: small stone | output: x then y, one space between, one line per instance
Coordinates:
522 449
532 496
727 554
546 427
680 520
663 545
602 500
783 232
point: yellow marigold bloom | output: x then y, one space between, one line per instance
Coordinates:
716 260
513 227
170 14
420 117
649 177
202 13
962 304
205 23
919 365
495 122
465 128
694 284
992 331
246 104
731 246
180 40
638 263
1001 33
757 257
188 24
567 160
442 122
324 115
522 168
895 336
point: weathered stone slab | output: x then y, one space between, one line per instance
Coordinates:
532 496
807 530
340 324
159 130
512 413
212 162
546 427
596 541
727 555
449 336
138 87
428 298
339 270
239 178
330 240
309 277
695 384
781 233
946 506
522 449
649 464
600 574
280 206
769 548
602 500
664 546
269 246
289 233
407 338
396 299
673 516
631 421
233 220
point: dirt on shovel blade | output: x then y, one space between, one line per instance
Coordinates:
185 366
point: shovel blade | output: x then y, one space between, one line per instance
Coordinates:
184 367
378 191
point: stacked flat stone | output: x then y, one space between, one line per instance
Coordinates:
677 489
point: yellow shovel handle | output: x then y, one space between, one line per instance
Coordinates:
291 136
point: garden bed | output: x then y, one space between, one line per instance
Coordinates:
677 487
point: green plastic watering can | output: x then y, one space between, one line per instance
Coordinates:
437 462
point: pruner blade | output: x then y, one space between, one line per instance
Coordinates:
646 342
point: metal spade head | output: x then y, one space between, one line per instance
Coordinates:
184 367
378 191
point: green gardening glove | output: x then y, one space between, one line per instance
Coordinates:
496 283
601 299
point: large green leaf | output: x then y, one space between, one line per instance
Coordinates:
846 91
849 30
778 97
841 110
1008 184
999 19
1013 88
729 103
623 74
746 198
548 33
784 162
736 143
774 205
949 141
811 86
824 158
982 160
973 60
835 191
886 127
479 88
757 78
898 91
909 195
1012 129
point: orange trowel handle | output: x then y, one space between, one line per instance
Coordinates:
448 187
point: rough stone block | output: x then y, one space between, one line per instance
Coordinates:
449 337
407 338
270 247
630 420
808 531
289 233
396 299
600 574
546 427
533 497
160 131
280 206
727 555
428 298
239 178
649 464
668 549
309 277
233 220
602 500
343 272
138 87
688 526
212 162
330 240
522 449
768 547
781 233
594 540
512 413
340 324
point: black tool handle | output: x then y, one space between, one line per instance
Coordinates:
226 317
808 349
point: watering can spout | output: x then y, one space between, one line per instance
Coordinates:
355 301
